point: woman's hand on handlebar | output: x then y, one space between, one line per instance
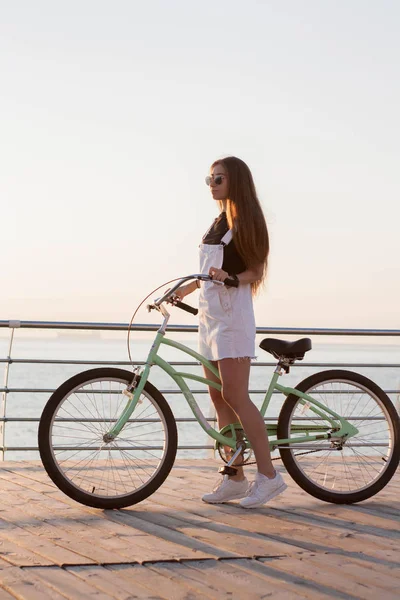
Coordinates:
218 274
182 292
223 277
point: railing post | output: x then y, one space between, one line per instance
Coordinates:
12 325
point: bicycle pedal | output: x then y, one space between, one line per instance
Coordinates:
225 470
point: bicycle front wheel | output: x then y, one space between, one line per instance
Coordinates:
356 469
99 473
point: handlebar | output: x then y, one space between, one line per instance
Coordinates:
186 307
169 295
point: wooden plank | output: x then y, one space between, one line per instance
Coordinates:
23 584
213 574
355 518
111 582
5 595
342 514
154 547
68 585
377 511
385 580
179 575
239 583
21 476
107 548
152 580
19 556
307 585
281 586
319 572
347 540
207 587
38 539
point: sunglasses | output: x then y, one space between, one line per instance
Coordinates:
217 180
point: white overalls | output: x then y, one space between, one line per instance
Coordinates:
227 326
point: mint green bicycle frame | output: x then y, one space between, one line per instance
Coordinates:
341 427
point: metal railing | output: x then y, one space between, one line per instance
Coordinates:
9 360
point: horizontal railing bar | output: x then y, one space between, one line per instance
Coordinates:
347 445
190 328
177 419
45 361
37 420
169 392
140 448
36 448
50 391
31 361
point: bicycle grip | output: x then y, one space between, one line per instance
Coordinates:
231 282
186 307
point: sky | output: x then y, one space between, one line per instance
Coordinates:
111 114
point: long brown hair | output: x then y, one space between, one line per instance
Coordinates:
245 217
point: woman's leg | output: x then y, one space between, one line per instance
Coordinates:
235 392
225 414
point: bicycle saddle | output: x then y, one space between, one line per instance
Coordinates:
282 349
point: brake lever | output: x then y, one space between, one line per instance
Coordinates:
172 299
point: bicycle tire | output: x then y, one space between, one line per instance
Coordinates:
319 480
72 426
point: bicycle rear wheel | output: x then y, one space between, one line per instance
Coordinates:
95 472
361 466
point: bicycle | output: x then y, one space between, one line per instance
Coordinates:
108 438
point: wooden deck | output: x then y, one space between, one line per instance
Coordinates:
173 546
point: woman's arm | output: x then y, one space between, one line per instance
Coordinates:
248 276
251 275
187 289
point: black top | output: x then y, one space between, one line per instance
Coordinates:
233 262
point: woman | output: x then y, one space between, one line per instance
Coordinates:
236 246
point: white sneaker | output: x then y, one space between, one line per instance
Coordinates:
228 489
263 489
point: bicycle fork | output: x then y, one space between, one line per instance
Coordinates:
133 392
